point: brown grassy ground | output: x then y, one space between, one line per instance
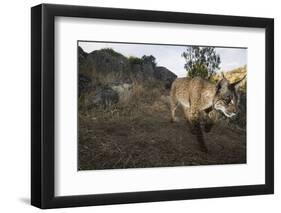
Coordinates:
139 134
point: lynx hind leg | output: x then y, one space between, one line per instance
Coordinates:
208 123
208 126
173 105
186 111
194 118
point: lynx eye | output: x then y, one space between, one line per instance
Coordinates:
227 99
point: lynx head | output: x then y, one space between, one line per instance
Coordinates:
226 98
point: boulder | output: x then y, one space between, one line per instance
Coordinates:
106 76
112 67
148 71
82 56
84 84
105 97
107 65
165 75
124 91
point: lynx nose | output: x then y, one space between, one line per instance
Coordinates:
232 115
233 110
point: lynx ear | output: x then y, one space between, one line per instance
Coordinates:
223 83
222 74
237 84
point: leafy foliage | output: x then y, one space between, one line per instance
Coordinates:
201 61
145 59
135 60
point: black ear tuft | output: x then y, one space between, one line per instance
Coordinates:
222 74
218 86
223 83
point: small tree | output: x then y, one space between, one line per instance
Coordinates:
201 61
135 60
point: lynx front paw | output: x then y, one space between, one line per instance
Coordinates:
208 127
193 130
175 119
204 149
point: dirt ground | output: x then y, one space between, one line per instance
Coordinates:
139 137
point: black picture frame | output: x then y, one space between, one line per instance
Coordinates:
43 117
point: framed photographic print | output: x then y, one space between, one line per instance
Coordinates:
139 106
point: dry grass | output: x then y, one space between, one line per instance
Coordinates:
233 76
137 133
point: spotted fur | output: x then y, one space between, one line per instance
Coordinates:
199 98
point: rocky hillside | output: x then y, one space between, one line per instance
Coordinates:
110 73
235 75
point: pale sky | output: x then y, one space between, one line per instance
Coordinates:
170 56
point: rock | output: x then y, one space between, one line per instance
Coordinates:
111 67
148 71
105 96
106 76
124 91
82 56
165 75
107 65
84 84
137 72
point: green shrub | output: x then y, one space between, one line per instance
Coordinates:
135 60
110 51
198 70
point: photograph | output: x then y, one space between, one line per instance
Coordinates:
133 105
160 105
